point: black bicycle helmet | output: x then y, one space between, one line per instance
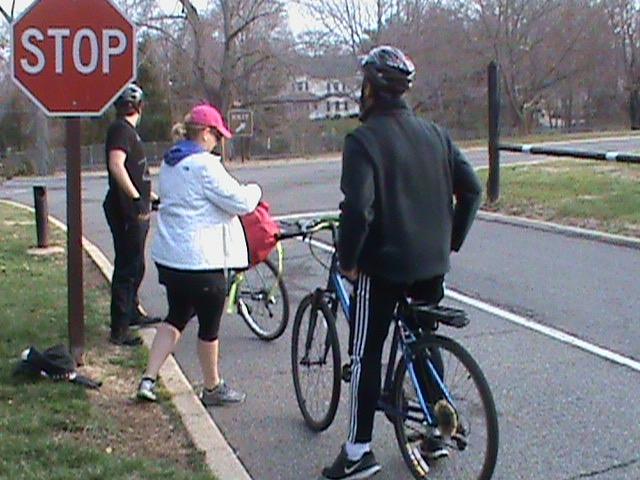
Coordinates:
388 70
130 100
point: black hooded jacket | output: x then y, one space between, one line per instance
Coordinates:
400 175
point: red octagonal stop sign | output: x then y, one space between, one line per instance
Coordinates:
73 57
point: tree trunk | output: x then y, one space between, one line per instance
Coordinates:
634 108
568 112
43 164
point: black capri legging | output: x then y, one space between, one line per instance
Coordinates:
202 292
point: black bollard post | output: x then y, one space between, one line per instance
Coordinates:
42 215
493 180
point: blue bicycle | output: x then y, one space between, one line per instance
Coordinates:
433 388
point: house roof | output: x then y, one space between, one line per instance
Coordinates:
327 66
308 97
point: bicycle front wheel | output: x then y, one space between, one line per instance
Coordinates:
263 302
467 425
315 363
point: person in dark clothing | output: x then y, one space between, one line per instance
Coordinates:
126 208
398 225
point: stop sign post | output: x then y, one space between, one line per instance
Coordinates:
72 58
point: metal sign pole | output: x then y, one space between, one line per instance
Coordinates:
75 294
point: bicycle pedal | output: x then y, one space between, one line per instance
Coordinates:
460 438
447 418
346 373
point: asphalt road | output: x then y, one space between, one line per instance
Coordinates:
564 413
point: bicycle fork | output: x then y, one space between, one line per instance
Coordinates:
316 304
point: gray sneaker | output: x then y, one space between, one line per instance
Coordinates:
223 394
146 389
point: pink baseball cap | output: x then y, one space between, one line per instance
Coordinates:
209 116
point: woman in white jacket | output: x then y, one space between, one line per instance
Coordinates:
199 237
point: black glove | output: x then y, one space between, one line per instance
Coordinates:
155 204
140 212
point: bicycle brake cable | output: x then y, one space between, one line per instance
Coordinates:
315 255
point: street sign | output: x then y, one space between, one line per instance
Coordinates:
73 57
241 122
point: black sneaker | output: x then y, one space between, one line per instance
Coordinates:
126 339
345 469
433 447
143 320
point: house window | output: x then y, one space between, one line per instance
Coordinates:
328 106
306 86
328 87
346 106
336 86
337 106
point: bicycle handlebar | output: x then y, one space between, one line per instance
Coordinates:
305 228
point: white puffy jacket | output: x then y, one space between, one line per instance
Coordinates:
198 224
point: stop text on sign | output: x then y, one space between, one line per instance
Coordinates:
99 49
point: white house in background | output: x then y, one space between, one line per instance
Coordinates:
323 98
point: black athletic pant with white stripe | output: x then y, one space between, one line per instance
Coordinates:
375 301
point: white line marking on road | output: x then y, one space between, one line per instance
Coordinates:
544 330
513 318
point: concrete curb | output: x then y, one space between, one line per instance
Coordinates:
575 232
205 434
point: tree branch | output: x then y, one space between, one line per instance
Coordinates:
7 17
246 24
169 36
161 18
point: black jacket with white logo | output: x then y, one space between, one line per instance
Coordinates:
399 177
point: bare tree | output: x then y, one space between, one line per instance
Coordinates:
447 84
217 56
624 17
353 23
534 44
40 127
8 14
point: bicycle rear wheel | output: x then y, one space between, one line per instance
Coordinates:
472 437
263 301
315 363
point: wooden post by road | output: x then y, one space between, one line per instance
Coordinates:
42 215
493 180
75 294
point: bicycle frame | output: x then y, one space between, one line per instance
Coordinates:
237 279
336 286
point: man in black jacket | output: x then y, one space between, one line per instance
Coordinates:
126 208
398 226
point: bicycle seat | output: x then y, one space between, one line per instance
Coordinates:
427 314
